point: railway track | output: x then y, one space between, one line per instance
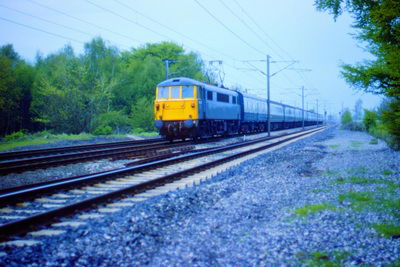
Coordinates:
60 150
69 155
32 206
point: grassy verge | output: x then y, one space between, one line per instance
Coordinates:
31 140
381 197
42 138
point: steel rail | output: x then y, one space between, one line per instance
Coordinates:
26 224
65 149
20 165
49 187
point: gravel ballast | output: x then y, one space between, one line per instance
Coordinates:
296 205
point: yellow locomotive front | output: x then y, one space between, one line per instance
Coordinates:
176 109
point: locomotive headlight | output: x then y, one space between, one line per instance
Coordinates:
192 105
157 106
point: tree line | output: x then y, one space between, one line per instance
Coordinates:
377 24
100 91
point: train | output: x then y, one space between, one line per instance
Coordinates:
187 108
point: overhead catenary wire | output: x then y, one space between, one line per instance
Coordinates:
46 20
245 24
134 22
114 32
41 30
52 22
84 21
228 29
273 41
173 30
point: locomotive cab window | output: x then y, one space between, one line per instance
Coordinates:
162 92
209 95
187 92
175 92
233 99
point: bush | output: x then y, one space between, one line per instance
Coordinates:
143 115
112 122
391 120
370 118
44 134
16 136
346 118
103 130
354 126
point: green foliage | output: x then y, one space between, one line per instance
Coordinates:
42 138
359 180
380 131
355 197
103 130
101 91
322 258
387 230
143 115
15 136
313 209
373 141
112 122
391 119
334 146
16 78
378 27
370 118
346 118
356 144
348 123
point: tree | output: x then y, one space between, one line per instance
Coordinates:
377 24
101 90
346 118
369 119
16 78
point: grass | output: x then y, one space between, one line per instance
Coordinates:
358 180
313 209
45 137
334 146
355 196
319 190
373 141
387 173
387 230
358 200
40 140
145 133
321 258
358 169
331 172
356 144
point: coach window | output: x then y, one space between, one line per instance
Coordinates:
175 92
187 92
233 99
209 95
162 92
222 98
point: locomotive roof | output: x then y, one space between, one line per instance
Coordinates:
179 81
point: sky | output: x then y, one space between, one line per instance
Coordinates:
240 33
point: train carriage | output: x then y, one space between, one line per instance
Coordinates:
188 108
